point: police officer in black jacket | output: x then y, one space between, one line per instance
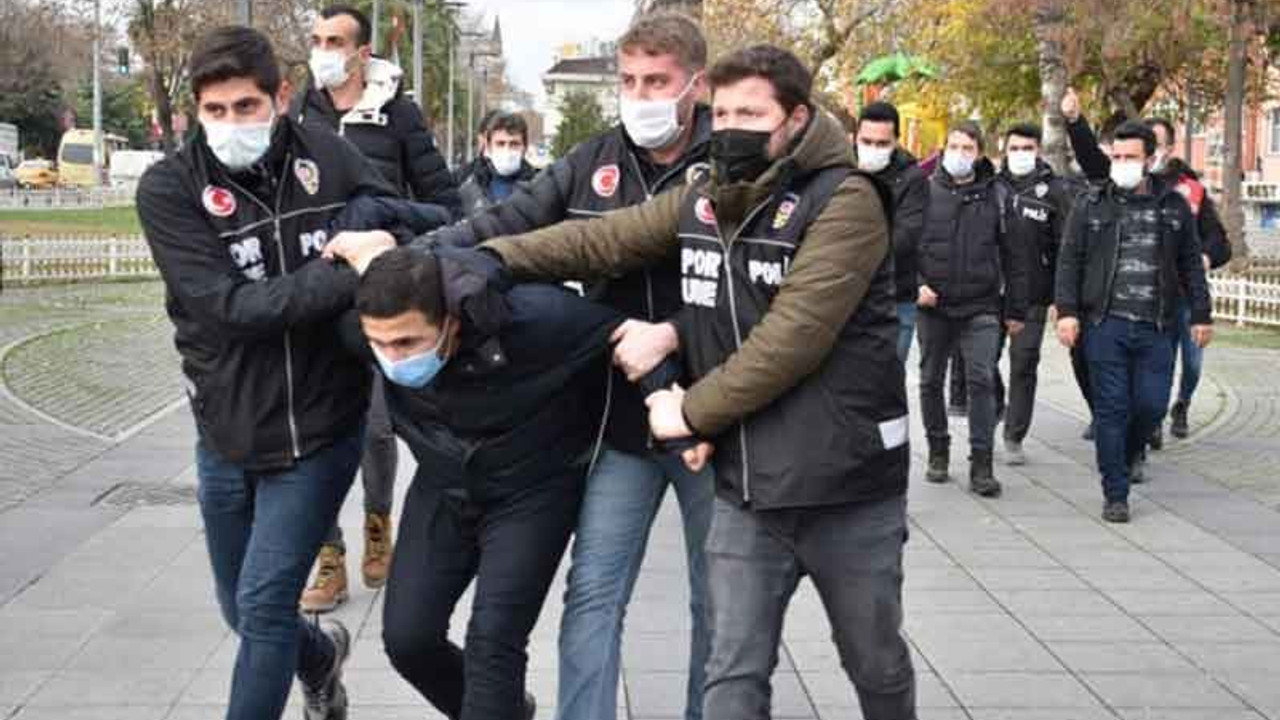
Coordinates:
661 143
236 223
1036 206
878 153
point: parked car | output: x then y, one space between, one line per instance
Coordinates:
36 174
127 166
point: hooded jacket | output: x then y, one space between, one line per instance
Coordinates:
252 303
600 175
1091 249
789 329
1175 173
388 128
1036 210
966 256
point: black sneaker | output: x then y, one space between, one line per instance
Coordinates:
1116 511
1089 432
1157 439
530 706
328 701
1178 421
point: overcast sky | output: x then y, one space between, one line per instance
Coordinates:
532 30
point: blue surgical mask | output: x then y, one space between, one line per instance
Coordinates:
416 371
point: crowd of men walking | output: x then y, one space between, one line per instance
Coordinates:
752 277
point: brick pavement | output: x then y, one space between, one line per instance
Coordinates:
1022 607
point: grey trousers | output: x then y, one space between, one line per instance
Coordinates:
853 555
378 464
978 338
1024 367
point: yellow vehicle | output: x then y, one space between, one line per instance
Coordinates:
75 157
36 174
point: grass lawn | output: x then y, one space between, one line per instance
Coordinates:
1228 335
107 221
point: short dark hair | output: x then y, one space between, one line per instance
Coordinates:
970 128
1028 130
365 34
1135 130
668 32
482 130
511 123
1155 122
880 112
791 80
234 51
401 280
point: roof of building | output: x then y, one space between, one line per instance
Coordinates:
585 66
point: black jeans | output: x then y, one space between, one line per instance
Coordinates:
1024 364
853 554
511 546
978 338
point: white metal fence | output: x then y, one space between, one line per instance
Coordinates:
67 198
1247 299
36 260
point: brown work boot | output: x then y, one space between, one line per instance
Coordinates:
377 549
329 589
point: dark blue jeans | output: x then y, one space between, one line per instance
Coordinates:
1192 354
263 531
1131 370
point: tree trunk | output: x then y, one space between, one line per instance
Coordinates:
1048 24
1234 111
164 108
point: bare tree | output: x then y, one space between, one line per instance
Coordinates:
1048 19
1238 17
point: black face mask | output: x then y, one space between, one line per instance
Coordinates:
740 155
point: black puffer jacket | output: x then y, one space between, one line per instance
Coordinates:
965 255
388 128
1036 212
910 190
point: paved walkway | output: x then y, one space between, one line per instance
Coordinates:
1023 607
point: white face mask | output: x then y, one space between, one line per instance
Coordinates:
653 124
957 164
239 145
1128 174
506 161
329 67
1020 162
872 158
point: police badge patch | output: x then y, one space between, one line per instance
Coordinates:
218 202
605 180
786 209
705 213
1042 189
308 175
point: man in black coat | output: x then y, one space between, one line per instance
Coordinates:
1129 254
485 386
503 165
879 154
1215 247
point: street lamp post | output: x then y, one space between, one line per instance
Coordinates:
97 93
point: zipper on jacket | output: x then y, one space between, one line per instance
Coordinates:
737 330
284 270
648 278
